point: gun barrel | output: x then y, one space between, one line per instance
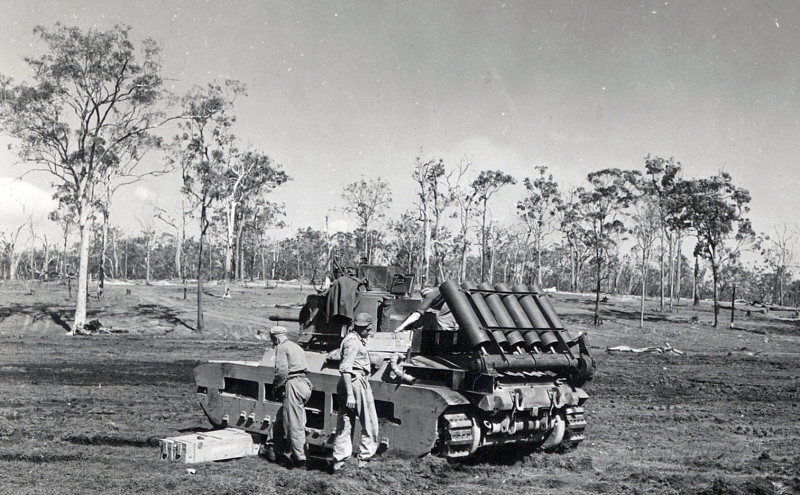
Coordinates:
284 318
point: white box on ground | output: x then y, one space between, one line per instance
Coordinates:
216 445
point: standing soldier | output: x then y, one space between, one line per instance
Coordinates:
292 385
355 397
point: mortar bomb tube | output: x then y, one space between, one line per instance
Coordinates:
512 306
496 306
547 308
502 316
532 341
532 310
549 341
479 303
464 315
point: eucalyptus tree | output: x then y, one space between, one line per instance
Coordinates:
89 110
203 149
430 177
571 220
716 210
663 187
368 201
264 216
611 191
538 209
465 199
778 251
646 225
486 185
244 174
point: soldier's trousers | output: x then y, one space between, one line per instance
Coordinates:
293 417
365 412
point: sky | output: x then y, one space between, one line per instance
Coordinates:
342 90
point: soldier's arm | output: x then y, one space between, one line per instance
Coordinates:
281 368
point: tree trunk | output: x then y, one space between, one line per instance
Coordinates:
644 285
573 275
483 246
83 268
148 247
64 258
462 271
239 257
203 227
716 295
617 276
678 264
181 242
671 278
125 275
599 254
229 248
695 292
103 245
263 259
539 260
274 258
426 246
367 252
115 256
661 274
491 257
597 293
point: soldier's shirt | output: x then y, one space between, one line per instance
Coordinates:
290 359
354 354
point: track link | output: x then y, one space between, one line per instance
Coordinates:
575 426
457 436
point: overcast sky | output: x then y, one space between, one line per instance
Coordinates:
338 90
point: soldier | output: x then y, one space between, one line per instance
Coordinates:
294 388
432 302
355 397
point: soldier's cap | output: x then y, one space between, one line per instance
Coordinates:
278 330
362 320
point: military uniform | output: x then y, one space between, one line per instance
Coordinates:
290 374
355 365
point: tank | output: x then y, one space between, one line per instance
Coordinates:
509 375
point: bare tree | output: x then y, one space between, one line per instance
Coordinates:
465 199
179 226
147 223
778 251
11 240
430 177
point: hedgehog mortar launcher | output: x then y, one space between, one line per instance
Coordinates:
511 374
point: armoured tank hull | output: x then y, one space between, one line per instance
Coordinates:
449 393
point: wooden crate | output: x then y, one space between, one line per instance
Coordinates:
216 445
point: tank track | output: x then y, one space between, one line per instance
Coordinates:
575 426
457 436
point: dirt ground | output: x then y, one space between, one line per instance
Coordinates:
83 414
